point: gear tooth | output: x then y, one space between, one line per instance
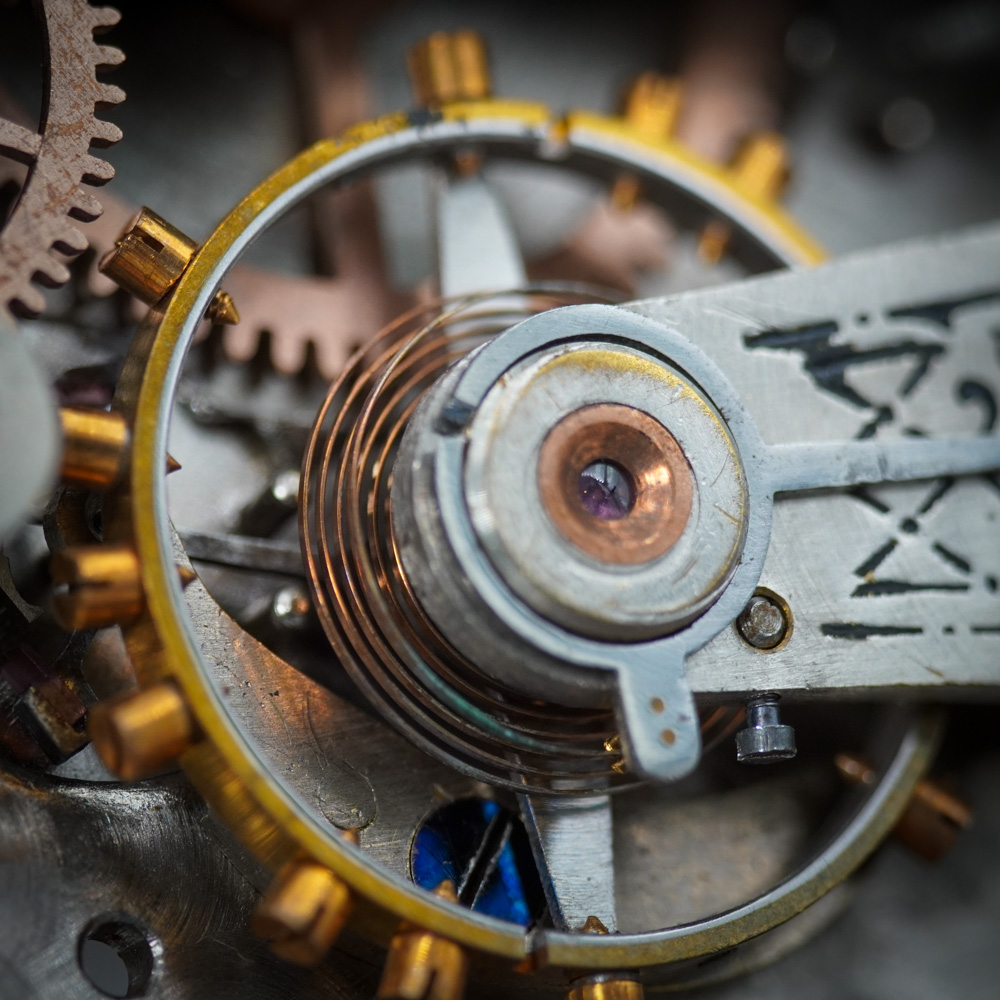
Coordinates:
51 272
85 207
104 17
28 302
38 261
97 172
104 134
71 242
108 95
108 55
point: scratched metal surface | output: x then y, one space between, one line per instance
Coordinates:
352 772
891 585
74 852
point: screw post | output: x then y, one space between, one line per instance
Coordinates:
765 738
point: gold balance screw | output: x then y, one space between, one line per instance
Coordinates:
650 108
304 911
99 585
933 818
95 446
149 259
422 965
760 170
137 735
604 986
608 989
449 66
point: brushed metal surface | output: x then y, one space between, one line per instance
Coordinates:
893 588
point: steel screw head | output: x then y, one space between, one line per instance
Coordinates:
763 623
285 488
765 739
290 608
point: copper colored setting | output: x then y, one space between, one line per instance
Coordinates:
644 449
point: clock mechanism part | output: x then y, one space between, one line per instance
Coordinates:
39 233
474 666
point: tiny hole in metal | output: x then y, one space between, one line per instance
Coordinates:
116 957
607 490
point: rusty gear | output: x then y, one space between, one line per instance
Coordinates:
39 232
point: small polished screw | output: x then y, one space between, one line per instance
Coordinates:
290 608
765 739
272 507
763 622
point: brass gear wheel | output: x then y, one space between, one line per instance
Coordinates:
39 234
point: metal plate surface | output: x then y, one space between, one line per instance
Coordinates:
892 587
